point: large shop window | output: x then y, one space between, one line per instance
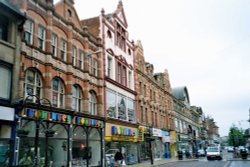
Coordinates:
94 147
83 150
5 82
131 110
122 107
111 103
79 147
57 145
32 84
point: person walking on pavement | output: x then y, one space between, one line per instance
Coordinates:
118 158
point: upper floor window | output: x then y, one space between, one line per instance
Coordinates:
54 45
120 37
29 30
74 56
92 103
41 37
5 82
111 103
130 79
131 110
109 67
122 107
4 25
89 59
122 74
95 68
63 50
32 84
57 93
80 60
76 98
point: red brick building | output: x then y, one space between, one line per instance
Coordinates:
155 106
61 83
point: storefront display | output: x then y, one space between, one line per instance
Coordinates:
124 139
60 135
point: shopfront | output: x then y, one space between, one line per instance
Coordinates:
144 146
6 136
173 145
58 139
124 139
166 144
157 144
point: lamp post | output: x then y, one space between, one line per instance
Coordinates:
38 122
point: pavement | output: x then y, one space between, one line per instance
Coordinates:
161 162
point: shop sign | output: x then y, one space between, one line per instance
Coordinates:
172 136
51 116
157 132
88 122
123 131
165 136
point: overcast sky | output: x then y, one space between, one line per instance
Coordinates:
204 44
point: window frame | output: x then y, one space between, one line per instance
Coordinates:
35 86
8 67
95 67
81 59
109 67
29 31
93 103
77 97
4 28
41 38
74 53
60 93
63 49
54 45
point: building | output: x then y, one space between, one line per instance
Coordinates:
61 122
186 121
11 21
121 128
154 106
213 132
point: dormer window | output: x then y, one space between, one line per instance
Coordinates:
69 13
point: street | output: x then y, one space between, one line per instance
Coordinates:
227 161
209 164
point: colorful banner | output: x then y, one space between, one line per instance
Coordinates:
62 118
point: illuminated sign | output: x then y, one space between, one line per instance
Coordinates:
88 122
44 115
123 131
62 118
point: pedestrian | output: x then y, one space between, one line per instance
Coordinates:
118 158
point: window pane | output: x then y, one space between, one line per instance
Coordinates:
5 83
131 110
111 104
122 107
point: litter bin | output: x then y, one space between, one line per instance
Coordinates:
180 155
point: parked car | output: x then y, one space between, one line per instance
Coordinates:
214 153
201 153
230 149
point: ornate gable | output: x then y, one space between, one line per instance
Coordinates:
67 11
120 15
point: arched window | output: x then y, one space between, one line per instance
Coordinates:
92 103
32 84
57 93
76 98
